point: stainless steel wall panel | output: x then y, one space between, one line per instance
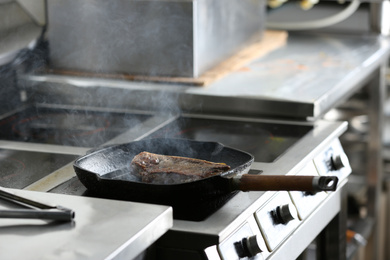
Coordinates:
157 38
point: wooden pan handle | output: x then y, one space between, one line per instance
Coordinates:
249 182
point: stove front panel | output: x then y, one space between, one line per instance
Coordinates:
307 202
277 219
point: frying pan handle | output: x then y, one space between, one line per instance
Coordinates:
248 182
325 183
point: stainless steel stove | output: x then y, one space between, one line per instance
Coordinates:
247 224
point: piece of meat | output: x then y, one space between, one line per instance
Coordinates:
166 169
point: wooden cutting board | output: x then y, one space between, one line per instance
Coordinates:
271 40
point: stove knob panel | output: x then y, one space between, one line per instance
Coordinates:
339 161
284 214
244 243
248 247
333 161
272 229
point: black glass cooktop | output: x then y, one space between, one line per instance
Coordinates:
265 141
72 127
19 169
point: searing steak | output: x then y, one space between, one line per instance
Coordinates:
165 169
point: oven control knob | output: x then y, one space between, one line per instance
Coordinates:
248 247
339 161
284 214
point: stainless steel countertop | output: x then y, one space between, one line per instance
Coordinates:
304 79
312 73
102 229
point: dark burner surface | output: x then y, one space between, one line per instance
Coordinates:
80 128
19 169
266 142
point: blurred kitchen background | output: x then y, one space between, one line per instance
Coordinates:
23 49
